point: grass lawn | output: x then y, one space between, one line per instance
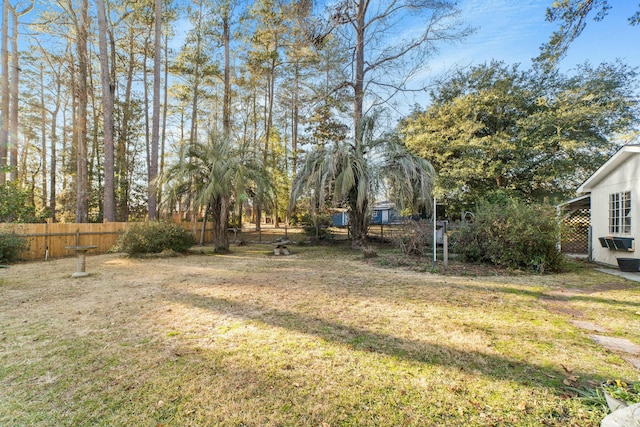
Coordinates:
319 338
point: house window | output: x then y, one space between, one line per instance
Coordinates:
620 212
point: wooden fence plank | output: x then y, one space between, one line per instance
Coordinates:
50 240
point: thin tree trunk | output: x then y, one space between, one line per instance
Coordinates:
109 212
165 107
145 83
122 172
54 140
15 83
294 124
65 141
226 104
155 130
359 73
4 128
94 168
43 137
82 183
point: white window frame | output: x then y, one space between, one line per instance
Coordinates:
620 213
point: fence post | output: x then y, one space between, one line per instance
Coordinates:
445 249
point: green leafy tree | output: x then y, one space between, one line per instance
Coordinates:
498 129
16 204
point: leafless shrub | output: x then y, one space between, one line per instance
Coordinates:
414 238
369 252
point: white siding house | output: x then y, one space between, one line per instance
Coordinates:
615 206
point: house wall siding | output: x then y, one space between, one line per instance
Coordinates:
625 178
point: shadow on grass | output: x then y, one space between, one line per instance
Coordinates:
567 297
360 339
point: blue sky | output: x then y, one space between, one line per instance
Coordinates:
514 30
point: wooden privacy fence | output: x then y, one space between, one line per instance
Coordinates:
50 240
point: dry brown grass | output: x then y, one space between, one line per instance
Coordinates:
319 338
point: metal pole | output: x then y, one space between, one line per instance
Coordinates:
435 240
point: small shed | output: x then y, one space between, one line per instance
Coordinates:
339 218
614 191
384 213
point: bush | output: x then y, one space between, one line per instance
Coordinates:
312 224
11 245
154 237
414 238
369 252
511 234
15 204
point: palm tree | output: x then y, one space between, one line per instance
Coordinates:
353 172
214 173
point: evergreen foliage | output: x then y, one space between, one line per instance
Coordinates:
16 205
154 237
496 128
513 234
11 245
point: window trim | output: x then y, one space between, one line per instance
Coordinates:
620 208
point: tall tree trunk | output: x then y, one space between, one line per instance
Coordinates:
94 172
108 200
296 113
359 213
4 128
122 169
256 200
226 103
165 106
82 182
155 131
145 84
15 83
63 160
358 86
54 140
43 137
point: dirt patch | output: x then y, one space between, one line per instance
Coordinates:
560 305
425 264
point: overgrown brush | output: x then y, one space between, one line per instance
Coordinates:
154 237
511 234
414 238
11 245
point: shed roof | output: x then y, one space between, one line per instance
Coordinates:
580 202
614 162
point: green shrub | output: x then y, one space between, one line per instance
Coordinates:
512 234
15 204
313 224
11 245
154 237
